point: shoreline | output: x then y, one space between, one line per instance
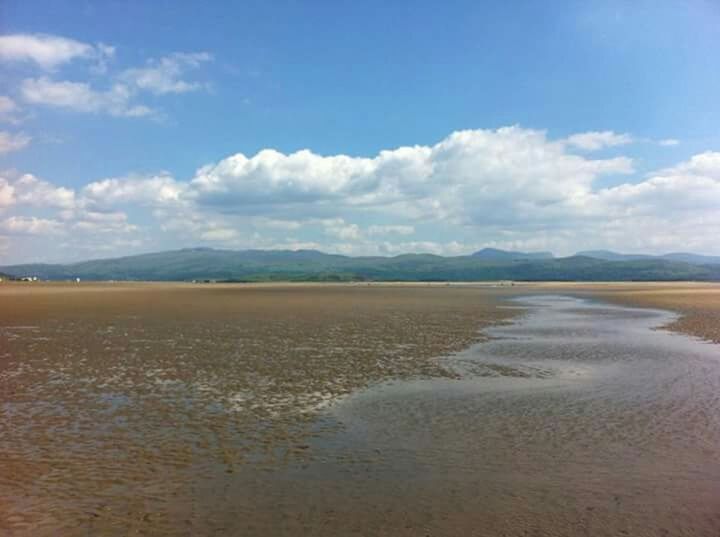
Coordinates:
697 304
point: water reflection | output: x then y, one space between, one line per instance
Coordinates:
577 415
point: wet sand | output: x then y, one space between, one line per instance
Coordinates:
119 400
697 303
206 410
577 419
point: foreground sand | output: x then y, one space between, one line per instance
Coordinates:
106 387
125 404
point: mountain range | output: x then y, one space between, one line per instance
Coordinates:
493 254
311 265
694 259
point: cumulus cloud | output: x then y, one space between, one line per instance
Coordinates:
706 164
79 96
19 225
594 140
692 186
273 177
164 75
510 188
470 176
81 218
12 142
343 231
49 51
7 193
152 190
31 191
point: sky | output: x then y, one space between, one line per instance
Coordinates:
360 128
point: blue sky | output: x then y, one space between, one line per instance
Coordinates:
140 126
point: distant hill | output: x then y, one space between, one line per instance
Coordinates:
493 254
607 255
311 265
693 259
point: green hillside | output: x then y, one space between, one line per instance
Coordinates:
310 265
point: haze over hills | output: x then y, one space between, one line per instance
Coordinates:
312 265
683 257
494 254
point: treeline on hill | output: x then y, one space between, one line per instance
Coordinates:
205 264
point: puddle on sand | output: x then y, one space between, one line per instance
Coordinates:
577 417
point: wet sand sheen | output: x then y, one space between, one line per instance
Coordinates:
576 419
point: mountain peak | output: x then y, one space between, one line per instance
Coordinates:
495 254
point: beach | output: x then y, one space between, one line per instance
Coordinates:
181 409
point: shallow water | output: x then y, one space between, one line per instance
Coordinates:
578 418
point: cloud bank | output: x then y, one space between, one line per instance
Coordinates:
510 187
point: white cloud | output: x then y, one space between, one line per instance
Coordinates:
30 191
103 227
87 220
272 177
219 234
12 142
164 75
275 224
431 247
704 164
121 91
19 225
594 140
151 190
692 186
343 231
9 110
387 248
470 176
668 142
510 177
120 99
80 97
7 193
391 230
509 188
49 51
